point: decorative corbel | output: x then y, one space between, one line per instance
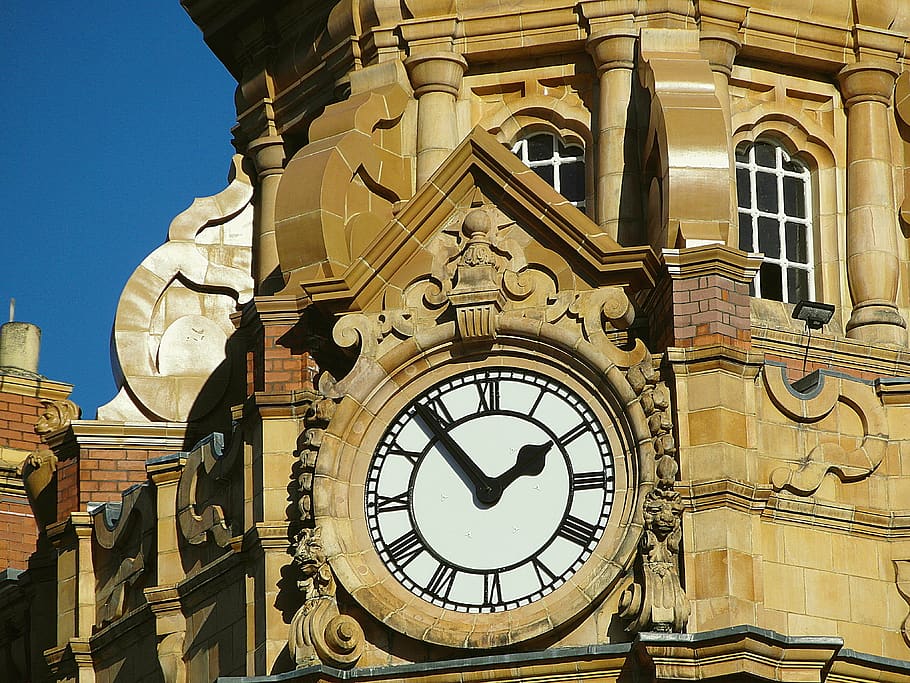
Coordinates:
656 601
318 632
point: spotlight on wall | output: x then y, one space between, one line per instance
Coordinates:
814 313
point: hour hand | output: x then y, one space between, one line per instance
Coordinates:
486 489
530 461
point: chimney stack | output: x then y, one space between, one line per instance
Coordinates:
20 344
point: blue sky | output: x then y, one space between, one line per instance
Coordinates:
115 116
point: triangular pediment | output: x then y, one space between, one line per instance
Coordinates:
482 171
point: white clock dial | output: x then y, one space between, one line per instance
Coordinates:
489 490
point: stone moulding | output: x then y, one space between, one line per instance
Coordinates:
479 165
813 406
207 459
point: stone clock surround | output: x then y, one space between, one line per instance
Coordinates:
384 387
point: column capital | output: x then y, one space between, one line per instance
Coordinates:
867 82
436 72
720 24
612 48
267 154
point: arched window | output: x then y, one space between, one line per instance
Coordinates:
561 165
773 195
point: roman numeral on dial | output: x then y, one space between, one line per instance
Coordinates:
576 530
544 576
440 410
584 481
393 503
488 391
492 589
573 434
413 456
442 580
405 548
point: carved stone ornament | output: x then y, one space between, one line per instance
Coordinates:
828 457
318 632
126 530
207 460
56 416
656 600
38 472
169 343
480 269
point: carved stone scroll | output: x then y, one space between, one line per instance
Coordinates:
209 459
656 600
902 578
126 529
805 477
319 633
169 344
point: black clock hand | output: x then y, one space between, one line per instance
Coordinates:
486 489
530 461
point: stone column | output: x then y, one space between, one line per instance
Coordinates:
269 157
617 196
872 264
436 78
719 43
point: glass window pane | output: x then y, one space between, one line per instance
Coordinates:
769 238
545 172
789 165
572 181
569 151
765 155
797 244
771 285
742 154
794 197
766 189
745 232
797 284
743 188
540 147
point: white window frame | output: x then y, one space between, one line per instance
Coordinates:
520 149
780 216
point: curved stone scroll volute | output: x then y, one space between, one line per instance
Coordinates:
168 347
209 459
318 632
686 150
805 477
126 530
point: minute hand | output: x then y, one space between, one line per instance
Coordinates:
486 489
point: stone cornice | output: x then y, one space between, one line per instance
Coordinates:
151 436
37 387
848 355
758 499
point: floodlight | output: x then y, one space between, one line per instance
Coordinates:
814 313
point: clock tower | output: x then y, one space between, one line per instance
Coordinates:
541 340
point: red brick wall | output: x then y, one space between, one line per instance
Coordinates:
710 309
98 476
18 415
18 533
285 367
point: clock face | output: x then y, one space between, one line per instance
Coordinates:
489 490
